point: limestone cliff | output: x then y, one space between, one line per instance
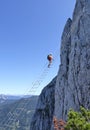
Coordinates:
72 88
42 119
73 80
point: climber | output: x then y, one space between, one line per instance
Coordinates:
50 58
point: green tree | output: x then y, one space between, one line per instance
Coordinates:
78 120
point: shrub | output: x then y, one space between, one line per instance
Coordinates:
76 121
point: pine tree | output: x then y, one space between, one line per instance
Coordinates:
78 120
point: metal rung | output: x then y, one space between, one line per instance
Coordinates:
19 108
8 125
12 119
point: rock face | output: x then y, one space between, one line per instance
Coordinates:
62 91
73 80
72 88
42 119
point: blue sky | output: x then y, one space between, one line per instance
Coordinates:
29 31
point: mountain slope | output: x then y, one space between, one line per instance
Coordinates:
17 115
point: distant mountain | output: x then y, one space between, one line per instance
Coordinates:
17 115
5 99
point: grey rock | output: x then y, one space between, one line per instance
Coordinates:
73 80
61 89
72 86
42 119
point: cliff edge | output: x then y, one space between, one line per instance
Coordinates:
71 88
